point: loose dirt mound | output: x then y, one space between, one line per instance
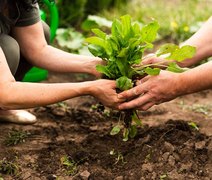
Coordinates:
172 150
72 139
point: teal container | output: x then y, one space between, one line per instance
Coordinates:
37 74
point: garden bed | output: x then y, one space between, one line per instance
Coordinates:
166 147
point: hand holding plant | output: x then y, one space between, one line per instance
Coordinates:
105 91
122 50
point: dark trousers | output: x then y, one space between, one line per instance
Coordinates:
17 63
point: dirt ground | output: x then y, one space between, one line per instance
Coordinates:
166 147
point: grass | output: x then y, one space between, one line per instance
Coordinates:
70 166
15 137
8 167
177 18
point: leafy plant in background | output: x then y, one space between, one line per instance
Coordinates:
182 31
122 50
93 21
73 12
70 40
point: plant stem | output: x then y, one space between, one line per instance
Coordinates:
127 117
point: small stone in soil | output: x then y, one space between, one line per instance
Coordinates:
186 167
169 147
171 161
119 178
85 175
165 156
200 145
147 167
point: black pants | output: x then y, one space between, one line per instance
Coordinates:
17 63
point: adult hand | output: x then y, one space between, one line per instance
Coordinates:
152 59
152 90
92 65
105 92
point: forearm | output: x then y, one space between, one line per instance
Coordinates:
56 60
196 79
202 40
18 95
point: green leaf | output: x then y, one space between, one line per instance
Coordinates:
136 28
99 33
133 131
115 130
116 28
152 71
124 83
183 53
123 68
113 44
97 41
126 134
136 119
123 52
87 25
174 52
193 125
126 25
166 49
173 67
104 70
96 50
149 32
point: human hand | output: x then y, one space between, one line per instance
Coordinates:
105 92
152 90
96 61
153 60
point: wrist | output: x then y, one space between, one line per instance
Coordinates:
91 65
185 84
88 88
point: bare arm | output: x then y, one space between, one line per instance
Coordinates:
202 40
34 47
19 95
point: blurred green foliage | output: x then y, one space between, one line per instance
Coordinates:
73 12
186 15
178 19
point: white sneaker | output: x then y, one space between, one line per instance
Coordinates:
17 116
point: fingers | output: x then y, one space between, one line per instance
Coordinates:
144 100
146 106
131 93
143 80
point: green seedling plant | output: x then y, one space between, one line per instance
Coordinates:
122 50
15 137
8 167
70 165
119 157
164 176
193 125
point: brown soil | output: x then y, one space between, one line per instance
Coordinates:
166 147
